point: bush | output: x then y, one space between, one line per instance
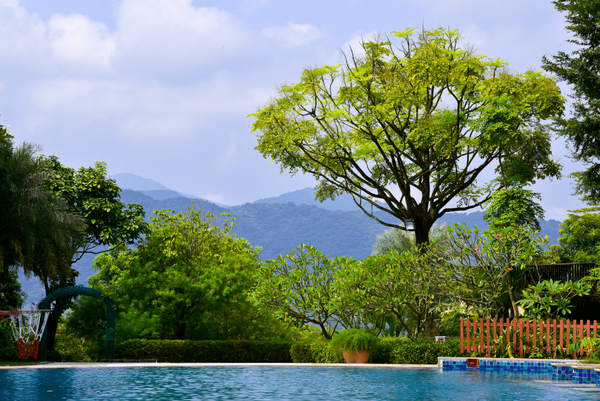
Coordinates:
205 351
424 351
9 354
312 348
385 348
6 336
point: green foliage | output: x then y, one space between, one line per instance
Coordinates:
398 284
590 345
300 285
71 347
581 70
11 296
353 340
188 279
406 116
424 351
92 194
550 299
580 236
514 206
6 335
205 351
393 240
312 347
35 225
482 268
9 354
385 347
86 323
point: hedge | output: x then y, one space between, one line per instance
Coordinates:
205 351
424 351
396 350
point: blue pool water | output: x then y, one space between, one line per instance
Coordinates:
281 383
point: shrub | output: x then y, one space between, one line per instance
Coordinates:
9 354
205 351
353 340
424 351
385 348
312 347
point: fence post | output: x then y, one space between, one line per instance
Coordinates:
468 335
480 335
520 326
461 335
561 335
487 321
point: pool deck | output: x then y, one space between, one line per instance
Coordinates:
71 365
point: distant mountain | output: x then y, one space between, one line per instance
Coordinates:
137 183
162 194
277 227
153 189
306 196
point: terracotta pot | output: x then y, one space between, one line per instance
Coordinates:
356 356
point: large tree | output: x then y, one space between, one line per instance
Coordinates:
184 272
36 225
94 197
408 129
581 69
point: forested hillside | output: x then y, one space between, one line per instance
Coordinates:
279 227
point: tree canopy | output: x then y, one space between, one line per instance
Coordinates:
581 69
188 279
408 129
36 225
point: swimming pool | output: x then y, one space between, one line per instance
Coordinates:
281 383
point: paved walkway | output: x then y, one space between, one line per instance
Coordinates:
70 365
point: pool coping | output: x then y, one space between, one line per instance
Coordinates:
83 365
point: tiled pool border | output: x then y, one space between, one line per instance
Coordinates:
503 364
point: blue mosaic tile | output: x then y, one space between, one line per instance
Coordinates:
584 376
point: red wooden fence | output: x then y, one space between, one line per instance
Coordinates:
523 335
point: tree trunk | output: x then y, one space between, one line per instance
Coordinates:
512 296
181 331
60 305
421 235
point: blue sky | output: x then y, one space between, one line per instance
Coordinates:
162 88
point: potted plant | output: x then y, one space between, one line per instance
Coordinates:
355 344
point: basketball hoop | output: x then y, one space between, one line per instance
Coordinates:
28 327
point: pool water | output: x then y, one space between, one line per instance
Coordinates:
281 383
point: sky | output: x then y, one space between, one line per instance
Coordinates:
163 88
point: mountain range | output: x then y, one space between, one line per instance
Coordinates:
277 225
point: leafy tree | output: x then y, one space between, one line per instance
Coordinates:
581 69
393 240
11 295
300 285
549 299
35 224
514 205
408 129
580 236
481 268
185 271
396 283
95 198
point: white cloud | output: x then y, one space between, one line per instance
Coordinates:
139 109
78 41
174 37
292 34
